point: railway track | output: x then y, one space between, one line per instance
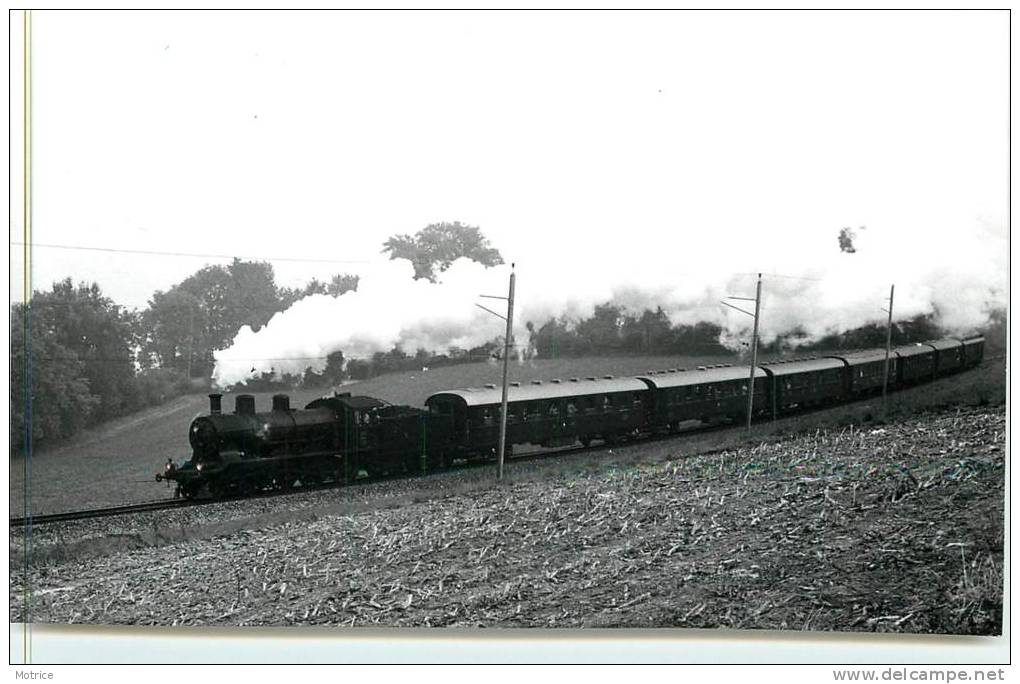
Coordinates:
148 506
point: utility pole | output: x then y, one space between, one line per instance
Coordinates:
509 318
191 338
754 344
888 347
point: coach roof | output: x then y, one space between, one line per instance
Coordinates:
482 396
946 344
914 349
700 377
803 366
863 356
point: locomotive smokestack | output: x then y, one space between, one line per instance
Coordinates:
215 404
245 404
281 402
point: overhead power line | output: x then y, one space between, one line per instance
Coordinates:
128 359
150 252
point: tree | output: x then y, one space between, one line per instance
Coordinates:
602 330
339 284
555 339
433 248
79 319
203 313
52 389
342 283
648 333
176 321
331 376
253 296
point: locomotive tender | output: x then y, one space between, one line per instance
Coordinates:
340 438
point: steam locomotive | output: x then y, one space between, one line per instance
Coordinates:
341 438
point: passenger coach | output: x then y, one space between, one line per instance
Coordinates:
556 413
865 370
806 382
704 394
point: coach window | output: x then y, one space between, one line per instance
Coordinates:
571 408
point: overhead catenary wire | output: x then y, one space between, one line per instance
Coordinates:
193 255
199 255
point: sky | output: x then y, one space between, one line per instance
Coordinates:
601 152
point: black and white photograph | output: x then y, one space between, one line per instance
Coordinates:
449 324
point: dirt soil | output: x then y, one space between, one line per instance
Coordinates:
895 527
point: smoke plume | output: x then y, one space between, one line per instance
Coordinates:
960 280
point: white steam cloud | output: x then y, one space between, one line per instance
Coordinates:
958 278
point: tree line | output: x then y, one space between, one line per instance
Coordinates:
79 359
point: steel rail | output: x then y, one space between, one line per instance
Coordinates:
65 516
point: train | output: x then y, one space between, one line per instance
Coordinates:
343 438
